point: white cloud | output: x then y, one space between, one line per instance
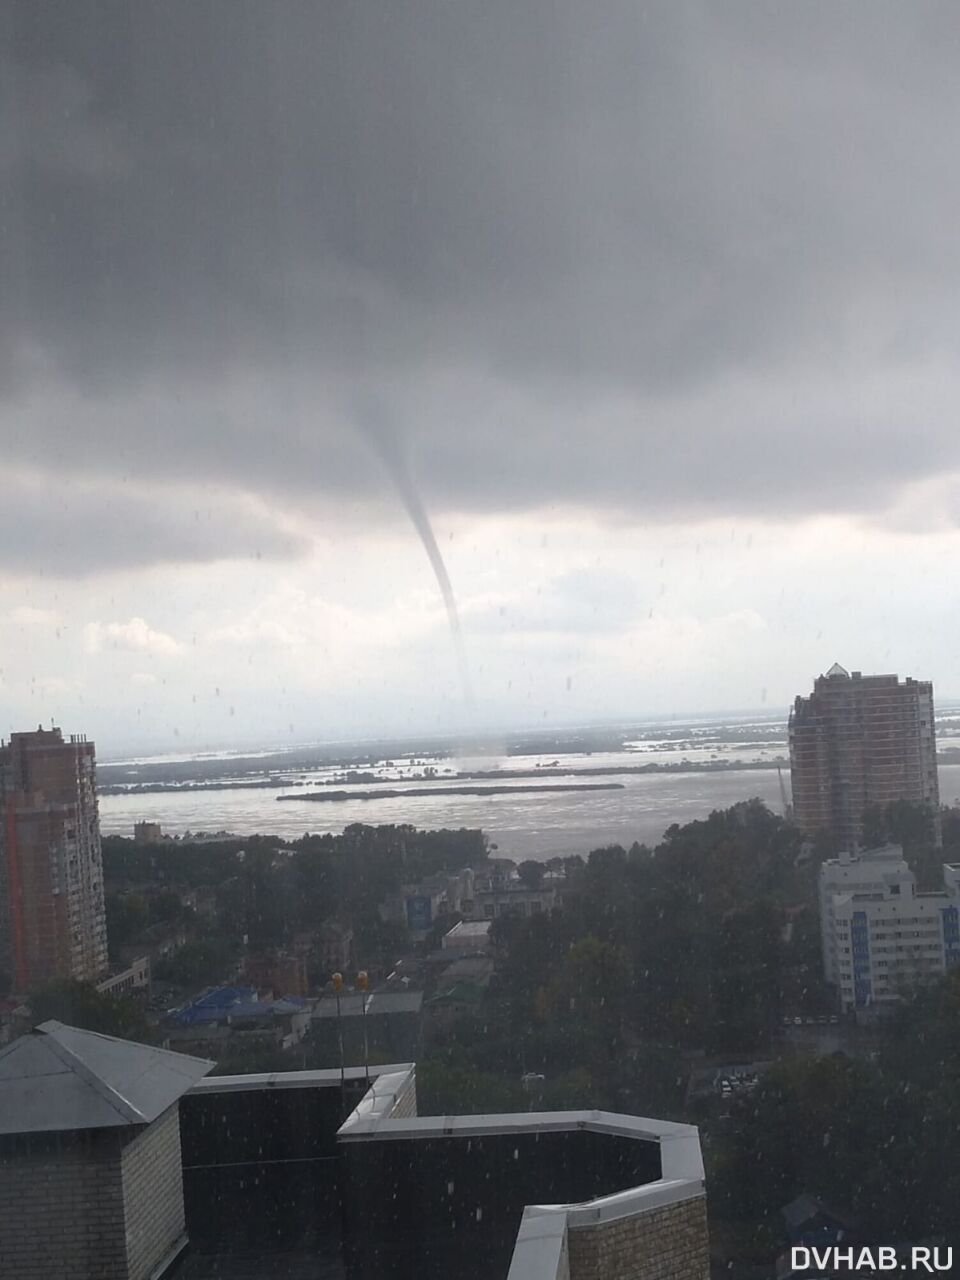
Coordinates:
27 615
143 678
54 686
135 636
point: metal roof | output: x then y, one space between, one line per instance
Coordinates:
61 1078
213 1005
379 1003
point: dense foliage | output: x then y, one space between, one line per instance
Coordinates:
267 890
80 1005
875 1137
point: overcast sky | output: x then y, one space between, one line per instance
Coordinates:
658 306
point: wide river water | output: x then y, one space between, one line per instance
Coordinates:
537 826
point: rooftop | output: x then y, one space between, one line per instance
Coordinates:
470 929
379 1003
492 1197
214 1005
58 1078
333 1173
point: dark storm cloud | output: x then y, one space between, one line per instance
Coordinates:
675 258
82 529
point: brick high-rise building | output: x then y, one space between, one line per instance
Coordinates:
860 742
52 916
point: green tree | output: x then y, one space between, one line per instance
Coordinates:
814 1125
210 960
127 917
79 1004
456 1088
531 873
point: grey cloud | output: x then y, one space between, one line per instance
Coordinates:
576 603
83 529
666 259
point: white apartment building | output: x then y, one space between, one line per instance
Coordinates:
881 937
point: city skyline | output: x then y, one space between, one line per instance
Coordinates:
653 317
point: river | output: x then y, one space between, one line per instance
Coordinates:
537 826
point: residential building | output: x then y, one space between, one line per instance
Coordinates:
513 898
867 875
52 916
334 946
467 935
420 906
213 1005
147 832
157 942
134 980
229 1016
204 901
859 742
283 973
880 937
378 1025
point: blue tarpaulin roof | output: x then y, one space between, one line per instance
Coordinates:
214 1005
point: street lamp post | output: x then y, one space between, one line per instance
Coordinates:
363 983
337 980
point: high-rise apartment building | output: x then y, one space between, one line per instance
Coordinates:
52 916
880 936
858 742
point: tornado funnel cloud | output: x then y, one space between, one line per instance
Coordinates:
387 447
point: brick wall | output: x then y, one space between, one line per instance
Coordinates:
405 1105
61 1208
103 1204
153 1194
669 1243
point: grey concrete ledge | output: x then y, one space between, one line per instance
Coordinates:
326 1079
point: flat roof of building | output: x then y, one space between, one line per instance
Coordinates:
469 929
379 1003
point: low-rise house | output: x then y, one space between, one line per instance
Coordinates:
281 972
134 980
287 1020
390 1028
334 946
467 935
147 833
212 1005
513 898
158 942
808 1220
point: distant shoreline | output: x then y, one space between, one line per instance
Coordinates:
505 775
393 794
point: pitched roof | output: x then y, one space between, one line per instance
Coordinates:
62 1078
807 1207
463 992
